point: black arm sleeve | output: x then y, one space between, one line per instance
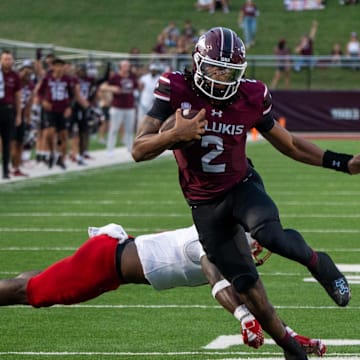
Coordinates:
266 124
160 110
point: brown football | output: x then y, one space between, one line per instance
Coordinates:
169 123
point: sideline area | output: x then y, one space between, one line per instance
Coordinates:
99 158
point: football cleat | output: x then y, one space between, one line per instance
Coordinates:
333 281
311 346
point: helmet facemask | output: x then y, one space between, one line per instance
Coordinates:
218 80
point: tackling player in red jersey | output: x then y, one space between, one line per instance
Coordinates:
110 258
225 194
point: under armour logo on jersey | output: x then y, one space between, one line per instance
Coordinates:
216 113
185 106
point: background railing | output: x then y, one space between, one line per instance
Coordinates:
306 71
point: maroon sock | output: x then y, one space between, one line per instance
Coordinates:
313 261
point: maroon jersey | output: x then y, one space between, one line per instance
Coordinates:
307 49
12 85
249 10
57 91
218 161
126 99
26 92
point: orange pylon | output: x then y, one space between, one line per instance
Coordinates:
282 122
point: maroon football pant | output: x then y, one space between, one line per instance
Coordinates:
88 273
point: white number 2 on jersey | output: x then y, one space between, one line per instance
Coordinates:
211 155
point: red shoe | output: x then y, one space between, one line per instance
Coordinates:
19 173
311 346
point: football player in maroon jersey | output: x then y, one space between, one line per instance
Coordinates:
225 194
56 92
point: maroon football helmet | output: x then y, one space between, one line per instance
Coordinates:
219 63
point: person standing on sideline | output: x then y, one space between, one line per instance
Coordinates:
10 107
248 22
56 92
225 193
147 83
122 85
27 96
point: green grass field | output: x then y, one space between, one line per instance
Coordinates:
42 220
118 26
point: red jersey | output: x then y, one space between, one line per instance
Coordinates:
12 85
57 91
218 161
126 99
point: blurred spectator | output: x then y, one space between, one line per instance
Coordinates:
160 46
79 125
171 34
353 51
212 5
219 4
104 100
283 69
306 47
147 84
136 66
248 22
183 46
298 5
336 53
42 65
122 85
204 5
189 32
27 96
348 2
10 106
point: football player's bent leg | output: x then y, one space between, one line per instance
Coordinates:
89 272
287 243
258 304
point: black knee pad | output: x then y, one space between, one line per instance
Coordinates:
245 281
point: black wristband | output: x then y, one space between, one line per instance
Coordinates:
336 161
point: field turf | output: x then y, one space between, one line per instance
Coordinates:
42 220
